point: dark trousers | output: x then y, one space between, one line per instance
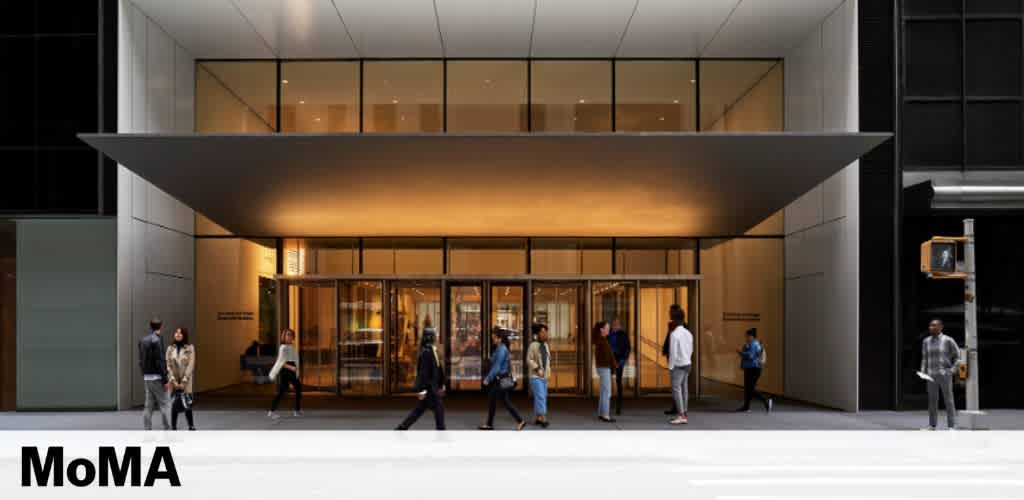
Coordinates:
432 402
618 387
750 377
284 379
177 408
493 395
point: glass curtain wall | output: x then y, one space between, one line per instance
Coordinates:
741 96
655 96
320 96
571 96
487 96
415 306
560 306
361 338
236 96
403 96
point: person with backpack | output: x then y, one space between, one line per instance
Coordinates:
752 359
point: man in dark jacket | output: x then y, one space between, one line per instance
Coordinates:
619 341
153 364
672 311
430 382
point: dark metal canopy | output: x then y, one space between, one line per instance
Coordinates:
607 184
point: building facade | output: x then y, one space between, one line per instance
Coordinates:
359 173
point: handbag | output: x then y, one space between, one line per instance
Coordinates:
506 381
183 400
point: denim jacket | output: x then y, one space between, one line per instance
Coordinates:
750 356
499 363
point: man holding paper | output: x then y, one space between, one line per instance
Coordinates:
940 358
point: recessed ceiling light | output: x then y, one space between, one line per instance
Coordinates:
661 118
302 102
693 81
487 81
394 100
583 101
675 101
284 82
316 119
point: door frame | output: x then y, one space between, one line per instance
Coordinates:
692 300
583 343
390 332
286 320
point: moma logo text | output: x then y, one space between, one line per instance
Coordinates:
110 469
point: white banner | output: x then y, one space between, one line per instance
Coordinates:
456 465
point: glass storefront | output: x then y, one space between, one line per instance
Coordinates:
489 95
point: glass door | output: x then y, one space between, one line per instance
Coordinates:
464 341
313 318
508 314
615 302
361 340
560 306
655 301
415 306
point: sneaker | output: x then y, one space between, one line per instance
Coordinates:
297 413
273 415
927 428
606 419
770 405
678 420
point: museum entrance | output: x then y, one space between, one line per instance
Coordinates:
362 337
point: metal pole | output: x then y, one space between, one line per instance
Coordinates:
971 318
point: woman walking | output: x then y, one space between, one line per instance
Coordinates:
538 359
605 362
430 384
181 361
499 381
287 366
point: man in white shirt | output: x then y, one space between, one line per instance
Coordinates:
680 352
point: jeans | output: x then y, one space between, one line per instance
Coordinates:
680 387
944 384
750 378
434 403
285 378
605 400
156 400
539 388
494 393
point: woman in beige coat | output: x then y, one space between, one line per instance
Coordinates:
181 361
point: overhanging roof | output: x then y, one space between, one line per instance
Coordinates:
607 184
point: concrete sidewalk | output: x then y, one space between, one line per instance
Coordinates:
465 412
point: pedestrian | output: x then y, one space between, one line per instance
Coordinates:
154 376
680 353
751 359
619 340
430 382
499 381
672 312
538 360
181 362
604 361
287 368
940 359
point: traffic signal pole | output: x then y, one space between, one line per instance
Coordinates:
971 324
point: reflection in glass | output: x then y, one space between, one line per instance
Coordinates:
654 96
741 96
616 303
465 342
320 96
560 308
403 96
313 321
507 315
487 96
236 96
361 339
571 96
414 307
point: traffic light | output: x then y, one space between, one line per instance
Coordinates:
939 257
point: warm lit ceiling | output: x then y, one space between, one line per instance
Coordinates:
619 184
487 28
